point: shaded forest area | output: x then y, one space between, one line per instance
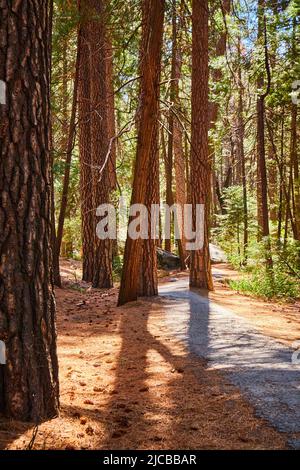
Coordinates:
153 102
251 183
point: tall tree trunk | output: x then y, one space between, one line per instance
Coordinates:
55 259
295 169
102 274
178 153
66 181
187 167
272 183
241 151
84 116
283 189
180 186
55 262
294 153
111 125
111 122
148 282
27 308
216 76
153 16
169 174
260 110
200 266
262 189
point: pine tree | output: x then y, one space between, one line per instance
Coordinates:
153 16
200 267
27 309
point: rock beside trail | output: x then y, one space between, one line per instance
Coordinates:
216 254
167 260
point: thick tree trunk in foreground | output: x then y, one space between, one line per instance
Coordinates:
200 267
27 309
153 15
102 274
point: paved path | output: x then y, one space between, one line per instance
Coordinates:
260 366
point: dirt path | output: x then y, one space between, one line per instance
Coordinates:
128 382
279 320
260 366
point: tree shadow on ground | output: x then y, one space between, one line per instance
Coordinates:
162 393
11 430
180 403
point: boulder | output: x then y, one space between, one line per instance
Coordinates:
167 260
216 254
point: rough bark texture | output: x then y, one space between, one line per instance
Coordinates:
260 109
153 15
102 275
27 307
84 116
200 267
148 282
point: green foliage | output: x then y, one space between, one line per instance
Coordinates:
280 286
72 236
117 267
124 24
283 283
229 233
287 254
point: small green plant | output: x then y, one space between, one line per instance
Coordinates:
117 267
280 285
72 237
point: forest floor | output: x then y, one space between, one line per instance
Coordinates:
134 377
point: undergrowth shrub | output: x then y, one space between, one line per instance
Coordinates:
280 286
